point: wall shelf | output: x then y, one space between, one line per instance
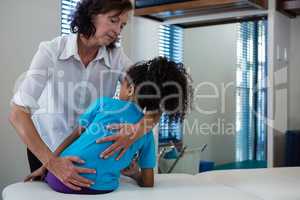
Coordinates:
290 8
198 7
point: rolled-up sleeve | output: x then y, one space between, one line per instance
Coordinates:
35 80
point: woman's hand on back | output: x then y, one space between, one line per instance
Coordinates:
65 170
126 136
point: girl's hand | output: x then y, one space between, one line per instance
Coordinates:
122 141
131 171
37 175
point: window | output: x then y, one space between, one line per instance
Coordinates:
67 7
170 46
171 42
251 97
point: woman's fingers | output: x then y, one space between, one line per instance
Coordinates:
82 179
36 175
110 150
75 159
28 178
122 140
117 149
78 182
107 139
71 186
123 151
82 170
114 126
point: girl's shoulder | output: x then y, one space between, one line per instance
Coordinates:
113 104
107 100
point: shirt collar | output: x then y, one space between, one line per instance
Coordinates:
71 49
103 54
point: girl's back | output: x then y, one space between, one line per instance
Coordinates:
103 112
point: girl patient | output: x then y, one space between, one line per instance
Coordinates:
156 86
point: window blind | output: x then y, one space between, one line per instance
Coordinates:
251 105
171 42
67 7
170 46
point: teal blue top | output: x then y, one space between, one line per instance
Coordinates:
101 113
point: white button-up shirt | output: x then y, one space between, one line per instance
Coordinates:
58 87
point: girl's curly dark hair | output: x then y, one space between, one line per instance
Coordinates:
81 19
162 85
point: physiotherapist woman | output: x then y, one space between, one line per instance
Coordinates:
66 75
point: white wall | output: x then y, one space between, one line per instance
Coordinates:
294 75
210 55
23 25
141 39
281 67
285 62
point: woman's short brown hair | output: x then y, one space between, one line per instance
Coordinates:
81 20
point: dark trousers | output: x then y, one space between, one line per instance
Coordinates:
34 162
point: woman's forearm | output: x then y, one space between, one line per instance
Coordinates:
25 128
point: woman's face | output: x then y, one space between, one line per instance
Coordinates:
108 27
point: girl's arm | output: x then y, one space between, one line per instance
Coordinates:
143 177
